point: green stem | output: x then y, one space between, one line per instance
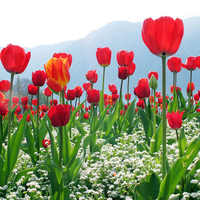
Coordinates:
60 147
128 91
164 154
103 79
154 116
190 92
37 122
9 106
120 93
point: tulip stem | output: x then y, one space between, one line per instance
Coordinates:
103 79
60 147
37 122
9 106
128 90
101 107
164 154
154 107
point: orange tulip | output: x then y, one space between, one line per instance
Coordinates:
58 75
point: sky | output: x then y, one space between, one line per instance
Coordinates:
29 23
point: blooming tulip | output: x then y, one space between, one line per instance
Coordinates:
3 109
153 73
125 58
174 64
46 143
59 114
79 91
93 96
47 91
112 88
4 85
196 97
92 76
15 100
34 102
131 68
32 89
190 63
57 70
192 87
14 59
142 90
55 102
163 35
103 56
122 72
24 100
71 94
175 119
86 115
86 86
38 78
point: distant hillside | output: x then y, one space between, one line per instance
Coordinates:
116 35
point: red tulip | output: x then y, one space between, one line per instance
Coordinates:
64 55
175 119
71 94
115 97
112 88
196 97
127 96
174 64
44 108
32 89
34 102
153 73
15 100
3 109
92 76
163 35
24 100
55 102
172 88
79 91
141 104
86 115
46 143
39 78
59 114
125 58
131 68
122 72
93 96
14 59
190 63
103 56
142 90
47 91
192 87
5 85
86 86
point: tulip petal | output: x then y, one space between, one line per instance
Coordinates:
54 85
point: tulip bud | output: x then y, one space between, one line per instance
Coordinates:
153 82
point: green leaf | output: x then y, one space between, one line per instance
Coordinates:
56 179
53 146
148 187
2 173
182 143
178 169
147 123
101 102
130 113
173 105
157 140
112 118
86 142
14 147
192 115
43 129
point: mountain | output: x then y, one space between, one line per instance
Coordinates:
117 35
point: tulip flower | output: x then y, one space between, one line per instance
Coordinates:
93 96
54 102
153 73
103 56
140 103
3 109
174 64
14 59
131 69
175 119
79 91
32 89
57 70
38 78
112 88
15 100
4 85
128 96
196 97
190 63
71 94
86 115
92 76
190 88
142 90
122 72
34 102
86 86
59 114
24 100
64 55
47 91
46 143
125 58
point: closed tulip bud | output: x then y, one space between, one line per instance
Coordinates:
153 82
38 78
123 72
32 89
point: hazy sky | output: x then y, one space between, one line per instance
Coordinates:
29 23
